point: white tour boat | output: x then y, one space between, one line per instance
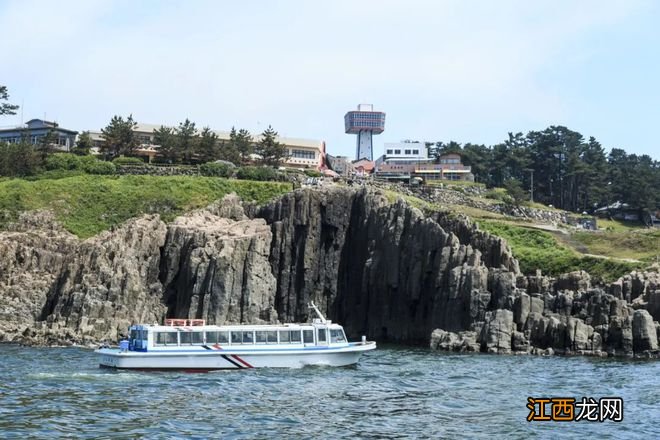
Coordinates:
190 344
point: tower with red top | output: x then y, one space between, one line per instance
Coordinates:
364 122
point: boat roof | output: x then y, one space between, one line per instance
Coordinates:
235 327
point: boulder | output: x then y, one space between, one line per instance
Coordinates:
644 332
497 332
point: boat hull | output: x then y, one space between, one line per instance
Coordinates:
232 359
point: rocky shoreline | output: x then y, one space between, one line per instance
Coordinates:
381 269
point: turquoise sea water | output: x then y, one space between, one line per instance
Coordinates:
393 393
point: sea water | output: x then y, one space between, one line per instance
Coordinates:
394 392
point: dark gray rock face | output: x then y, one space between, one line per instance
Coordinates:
383 269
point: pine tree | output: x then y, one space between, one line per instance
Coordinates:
84 144
186 140
207 146
6 108
165 138
119 137
272 153
244 144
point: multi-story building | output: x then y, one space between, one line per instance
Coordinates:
34 130
303 153
407 160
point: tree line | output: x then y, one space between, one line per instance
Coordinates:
187 144
567 170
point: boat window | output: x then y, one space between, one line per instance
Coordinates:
284 337
217 337
308 336
272 336
295 336
185 338
322 335
261 337
248 337
166 338
236 338
197 338
337 335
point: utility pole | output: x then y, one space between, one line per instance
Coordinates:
531 185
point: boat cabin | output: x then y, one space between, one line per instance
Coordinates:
195 334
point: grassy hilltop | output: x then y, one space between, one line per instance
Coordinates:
89 204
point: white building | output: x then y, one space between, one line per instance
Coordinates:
406 151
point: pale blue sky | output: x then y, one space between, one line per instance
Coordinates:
469 71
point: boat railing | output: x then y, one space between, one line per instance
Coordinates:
185 322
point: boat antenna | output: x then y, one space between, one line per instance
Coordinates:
318 312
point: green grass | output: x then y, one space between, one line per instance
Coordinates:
87 205
618 225
537 249
635 244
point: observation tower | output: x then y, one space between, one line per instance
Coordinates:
364 122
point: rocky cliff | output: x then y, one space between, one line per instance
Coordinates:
382 269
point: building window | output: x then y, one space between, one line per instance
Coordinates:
389 151
407 151
397 151
303 154
415 151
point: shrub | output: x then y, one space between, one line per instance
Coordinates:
515 190
62 161
313 173
256 173
100 167
498 194
214 169
123 160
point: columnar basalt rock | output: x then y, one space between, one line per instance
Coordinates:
217 269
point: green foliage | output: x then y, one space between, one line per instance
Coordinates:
87 205
186 140
240 147
536 249
119 137
62 161
498 194
100 167
6 108
313 173
208 146
83 145
568 171
214 169
516 192
624 243
272 153
123 160
19 159
165 137
256 173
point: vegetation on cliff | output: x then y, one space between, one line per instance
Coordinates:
87 205
606 254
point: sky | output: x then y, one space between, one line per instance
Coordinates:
468 71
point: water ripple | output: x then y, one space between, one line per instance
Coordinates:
393 393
